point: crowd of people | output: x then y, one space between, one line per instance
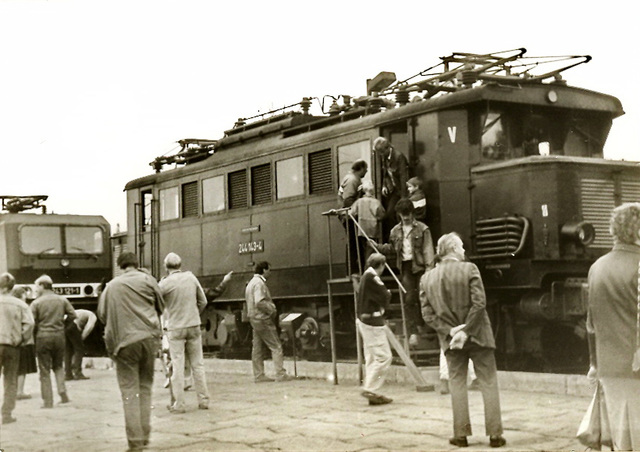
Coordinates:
444 291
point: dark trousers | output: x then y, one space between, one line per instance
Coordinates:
411 282
487 376
9 358
390 218
74 351
351 229
50 353
134 369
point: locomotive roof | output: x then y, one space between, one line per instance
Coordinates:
52 218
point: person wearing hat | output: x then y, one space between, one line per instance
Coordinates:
49 310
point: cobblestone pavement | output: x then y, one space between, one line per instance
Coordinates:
300 415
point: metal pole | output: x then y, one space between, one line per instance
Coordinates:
334 357
358 337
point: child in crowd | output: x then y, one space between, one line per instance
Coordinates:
417 197
368 211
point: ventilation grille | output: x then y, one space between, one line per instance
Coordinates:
320 172
261 184
238 189
597 200
190 199
500 237
630 191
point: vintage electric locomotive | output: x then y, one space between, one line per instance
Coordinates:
510 159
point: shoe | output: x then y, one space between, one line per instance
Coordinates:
167 383
23 396
202 406
285 377
8 420
380 400
497 441
444 386
459 441
64 398
68 377
47 406
81 377
263 379
176 410
413 340
186 388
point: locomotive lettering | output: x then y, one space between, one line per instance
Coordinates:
256 246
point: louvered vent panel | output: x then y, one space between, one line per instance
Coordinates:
630 191
320 172
190 199
237 189
499 237
261 184
597 201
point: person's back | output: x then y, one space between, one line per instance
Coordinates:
184 299
369 212
14 313
130 309
49 310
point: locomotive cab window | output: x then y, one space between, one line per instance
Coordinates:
41 240
514 132
349 153
83 240
289 178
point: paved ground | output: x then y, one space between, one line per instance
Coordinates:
301 415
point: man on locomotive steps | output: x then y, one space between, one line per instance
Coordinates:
395 172
262 313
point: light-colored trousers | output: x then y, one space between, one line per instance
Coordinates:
377 355
187 341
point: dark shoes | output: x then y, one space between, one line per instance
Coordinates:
64 398
497 441
263 379
47 405
8 419
203 406
81 377
459 441
376 399
23 396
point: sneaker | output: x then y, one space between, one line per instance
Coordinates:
8 419
23 396
413 340
176 410
64 398
497 441
81 377
263 379
459 441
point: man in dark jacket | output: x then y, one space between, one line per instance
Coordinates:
373 299
454 304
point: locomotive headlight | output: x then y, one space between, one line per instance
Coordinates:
582 233
64 263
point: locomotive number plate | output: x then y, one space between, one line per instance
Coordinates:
67 290
256 246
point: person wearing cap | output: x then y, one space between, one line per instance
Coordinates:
184 301
49 310
130 308
16 327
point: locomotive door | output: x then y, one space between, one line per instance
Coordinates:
146 231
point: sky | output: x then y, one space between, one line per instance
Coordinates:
92 91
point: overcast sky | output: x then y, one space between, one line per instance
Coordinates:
92 91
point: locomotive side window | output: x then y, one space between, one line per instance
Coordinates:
147 198
320 172
190 199
83 240
237 189
169 204
349 153
41 240
261 184
213 194
289 177
493 140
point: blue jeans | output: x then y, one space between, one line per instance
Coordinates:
187 341
134 369
50 353
265 336
9 356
